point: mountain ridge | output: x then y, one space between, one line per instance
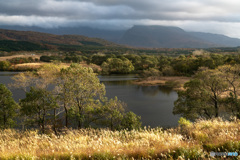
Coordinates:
162 36
50 41
142 36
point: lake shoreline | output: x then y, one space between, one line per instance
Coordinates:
175 82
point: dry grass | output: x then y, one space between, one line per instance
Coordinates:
33 66
87 143
36 65
27 66
190 140
20 56
163 80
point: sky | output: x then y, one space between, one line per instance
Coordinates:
212 16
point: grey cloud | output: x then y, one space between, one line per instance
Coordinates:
123 13
124 9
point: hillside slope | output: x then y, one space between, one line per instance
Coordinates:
217 39
162 36
46 40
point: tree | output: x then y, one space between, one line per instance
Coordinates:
114 111
117 65
43 78
131 121
4 65
115 117
231 74
37 106
75 90
8 108
149 61
80 87
202 95
151 73
42 82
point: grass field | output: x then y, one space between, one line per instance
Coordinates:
188 141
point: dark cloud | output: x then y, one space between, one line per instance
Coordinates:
187 13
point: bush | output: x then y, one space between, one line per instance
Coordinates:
4 65
152 73
131 121
46 59
168 71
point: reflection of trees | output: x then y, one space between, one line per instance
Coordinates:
165 89
154 90
150 90
118 83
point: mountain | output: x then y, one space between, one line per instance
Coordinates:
217 38
109 35
137 36
47 41
174 37
169 37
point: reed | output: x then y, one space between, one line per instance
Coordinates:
189 140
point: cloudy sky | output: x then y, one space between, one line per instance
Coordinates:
214 16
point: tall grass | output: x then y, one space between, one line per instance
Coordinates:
189 140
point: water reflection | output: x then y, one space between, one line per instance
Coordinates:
8 73
147 90
153 103
154 90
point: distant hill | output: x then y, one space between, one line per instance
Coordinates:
174 37
137 36
109 35
41 41
217 39
162 36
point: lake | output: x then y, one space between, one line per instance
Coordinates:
153 103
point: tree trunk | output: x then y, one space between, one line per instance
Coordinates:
43 121
66 114
216 105
80 120
5 121
54 122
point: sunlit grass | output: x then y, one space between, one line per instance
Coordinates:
189 140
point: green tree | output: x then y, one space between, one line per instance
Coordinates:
164 61
149 61
202 95
114 111
231 74
4 65
151 73
76 91
131 121
8 108
115 117
117 65
185 65
82 87
37 106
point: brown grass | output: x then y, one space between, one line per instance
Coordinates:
36 65
187 141
163 80
18 56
